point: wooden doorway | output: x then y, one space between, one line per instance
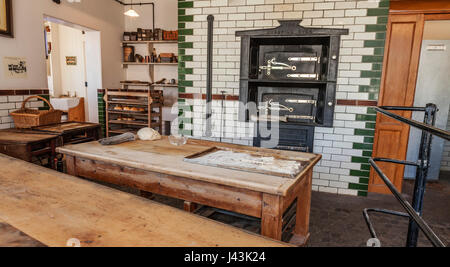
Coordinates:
400 68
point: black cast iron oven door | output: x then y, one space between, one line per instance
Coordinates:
291 104
295 63
290 107
292 137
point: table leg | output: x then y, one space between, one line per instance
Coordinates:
70 165
301 232
189 206
53 154
29 155
272 217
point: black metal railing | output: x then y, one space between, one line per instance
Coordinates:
414 211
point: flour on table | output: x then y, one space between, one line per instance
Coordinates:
237 160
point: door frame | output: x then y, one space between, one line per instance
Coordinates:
420 11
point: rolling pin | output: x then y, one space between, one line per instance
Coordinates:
119 139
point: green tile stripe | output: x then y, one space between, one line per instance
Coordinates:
183 58
102 112
362 187
185 18
363 193
186 120
378 44
185 4
368 132
46 106
360 117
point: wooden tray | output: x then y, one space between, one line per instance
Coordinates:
254 154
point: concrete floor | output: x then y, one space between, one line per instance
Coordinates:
336 221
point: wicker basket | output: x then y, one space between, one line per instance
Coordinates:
28 118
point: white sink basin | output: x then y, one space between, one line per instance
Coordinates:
65 103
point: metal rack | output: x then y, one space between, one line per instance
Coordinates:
414 211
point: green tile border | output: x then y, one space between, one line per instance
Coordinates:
183 58
102 112
46 106
368 132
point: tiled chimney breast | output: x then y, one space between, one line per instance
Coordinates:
347 146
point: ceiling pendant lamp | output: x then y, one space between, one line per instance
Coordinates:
131 12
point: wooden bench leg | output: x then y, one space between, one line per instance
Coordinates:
272 217
301 232
189 206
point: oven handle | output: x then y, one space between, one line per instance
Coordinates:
305 59
302 101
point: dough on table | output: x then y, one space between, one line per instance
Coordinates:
148 134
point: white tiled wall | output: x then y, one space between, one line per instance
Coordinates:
335 144
235 15
9 104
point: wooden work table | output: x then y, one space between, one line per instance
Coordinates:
52 208
159 167
72 132
27 145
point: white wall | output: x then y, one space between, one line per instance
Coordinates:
166 16
105 16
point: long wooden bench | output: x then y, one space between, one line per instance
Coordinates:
53 208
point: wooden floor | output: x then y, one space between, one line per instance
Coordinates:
11 237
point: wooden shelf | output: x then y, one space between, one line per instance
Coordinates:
151 42
150 64
131 113
154 111
134 94
134 103
148 85
151 117
140 123
136 84
128 112
122 131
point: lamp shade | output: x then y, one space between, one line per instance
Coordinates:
131 13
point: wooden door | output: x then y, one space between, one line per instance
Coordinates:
401 62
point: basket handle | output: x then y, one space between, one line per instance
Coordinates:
38 97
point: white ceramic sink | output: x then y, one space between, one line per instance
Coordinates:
65 103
